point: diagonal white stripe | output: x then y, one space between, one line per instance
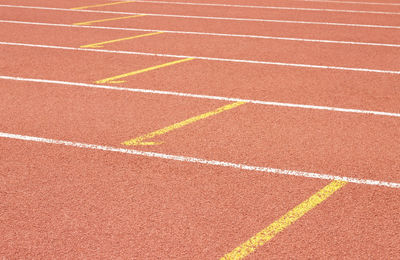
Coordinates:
171 93
204 58
265 7
206 17
201 161
205 33
348 2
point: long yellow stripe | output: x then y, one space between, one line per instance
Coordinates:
89 6
140 140
112 79
286 220
109 19
101 44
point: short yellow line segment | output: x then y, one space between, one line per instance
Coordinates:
99 5
141 139
113 79
109 19
286 220
101 44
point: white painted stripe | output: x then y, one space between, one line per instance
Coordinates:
206 33
201 161
172 93
204 58
265 7
205 17
348 2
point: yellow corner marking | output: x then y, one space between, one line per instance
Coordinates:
109 19
286 220
101 44
140 140
112 79
89 6
117 81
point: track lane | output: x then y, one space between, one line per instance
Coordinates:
303 140
270 14
366 5
290 4
153 31
373 215
366 91
351 56
90 215
200 17
315 141
322 32
113 116
62 201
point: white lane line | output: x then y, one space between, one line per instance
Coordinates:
172 93
206 33
347 2
265 7
201 161
204 58
205 17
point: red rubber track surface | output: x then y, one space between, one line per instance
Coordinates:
369 91
339 55
310 31
67 202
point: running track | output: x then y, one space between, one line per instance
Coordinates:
201 129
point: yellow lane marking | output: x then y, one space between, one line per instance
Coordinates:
101 44
140 140
109 19
112 79
89 6
286 220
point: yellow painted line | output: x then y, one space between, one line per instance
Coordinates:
101 44
112 79
140 140
286 220
109 19
89 6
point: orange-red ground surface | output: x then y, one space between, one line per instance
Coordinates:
66 202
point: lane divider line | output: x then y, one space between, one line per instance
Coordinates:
110 19
101 44
180 94
99 5
141 139
208 34
267 7
114 79
348 2
299 65
208 17
285 221
202 161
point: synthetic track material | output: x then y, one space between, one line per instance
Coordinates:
209 17
259 102
206 34
201 161
316 91
205 58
